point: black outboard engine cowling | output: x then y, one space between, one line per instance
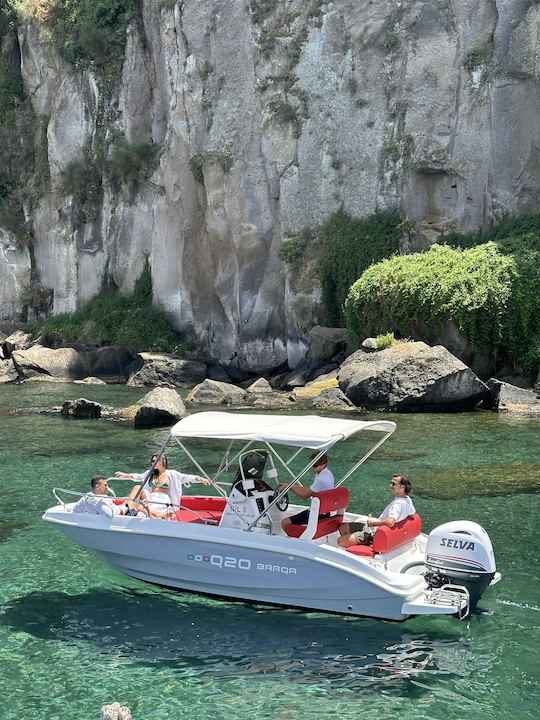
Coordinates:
460 553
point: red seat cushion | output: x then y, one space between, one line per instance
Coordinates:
388 538
330 501
204 508
364 550
324 527
198 516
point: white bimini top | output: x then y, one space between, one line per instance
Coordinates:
309 431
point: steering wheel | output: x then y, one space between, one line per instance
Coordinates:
283 503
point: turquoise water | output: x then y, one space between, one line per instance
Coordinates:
75 635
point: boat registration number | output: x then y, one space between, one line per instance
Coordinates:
226 561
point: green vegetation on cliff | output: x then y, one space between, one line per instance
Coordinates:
349 246
87 33
110 318
22 141
489 290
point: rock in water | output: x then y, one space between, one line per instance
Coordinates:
411 376
115 711
162 406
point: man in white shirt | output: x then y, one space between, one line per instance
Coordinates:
401 507
324 480
98 502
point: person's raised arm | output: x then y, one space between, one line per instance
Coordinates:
123 475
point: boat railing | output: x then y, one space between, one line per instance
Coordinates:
77 493
170 508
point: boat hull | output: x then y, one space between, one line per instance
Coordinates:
244 566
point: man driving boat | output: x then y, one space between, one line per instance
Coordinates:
324 480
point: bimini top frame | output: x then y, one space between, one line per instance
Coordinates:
301 431
308 431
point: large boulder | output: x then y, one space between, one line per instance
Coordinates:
271 401
212 392
39 360
151 369
161 406
8 372
81 408
509 398
259 386
333 400
410 376
537 384
18 340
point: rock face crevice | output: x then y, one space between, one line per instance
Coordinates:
268 122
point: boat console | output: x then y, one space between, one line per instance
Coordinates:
251 495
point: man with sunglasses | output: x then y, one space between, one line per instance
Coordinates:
401 507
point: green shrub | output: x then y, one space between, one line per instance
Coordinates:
92 33
490 292
225 160
260 10
391 40
82 179
477 56
132 161
196 164
114 319
284 111
11 93
291 249
349 246
385 341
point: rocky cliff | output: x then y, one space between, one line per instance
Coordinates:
270 116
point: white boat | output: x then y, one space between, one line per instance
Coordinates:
233 545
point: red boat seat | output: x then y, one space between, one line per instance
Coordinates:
329 501
208 509
388 538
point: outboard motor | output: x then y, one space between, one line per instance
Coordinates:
460 553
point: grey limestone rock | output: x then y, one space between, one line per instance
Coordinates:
259 386
81 408
161 406
507 398
410 376
38 360
333 400
164 369
271 400
8 372
212 392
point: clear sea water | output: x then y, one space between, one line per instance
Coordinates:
75 635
